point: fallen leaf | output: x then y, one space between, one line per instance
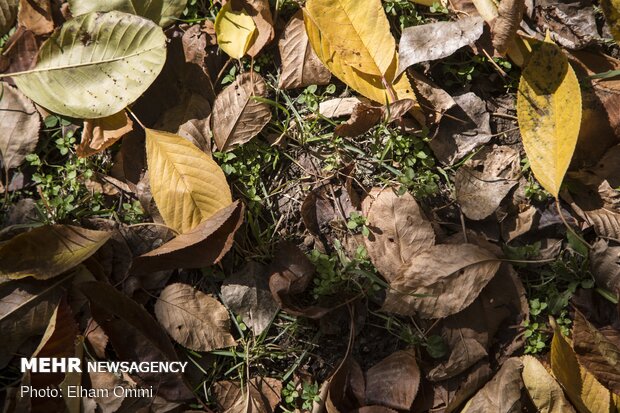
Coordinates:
301 66
549 112
48 251
8 14
605 266
247 294
235 30
362 119
394 381
191 107
261 14
100 134
502 394
198 132
509 16
162 12
193 319
441 280
237 115
573 25
261 395
20 51
20 127
545 392
96 338
194 45
202 246
434 41
110 381
338 107
611 10
36 16
178 167
398 230
435 101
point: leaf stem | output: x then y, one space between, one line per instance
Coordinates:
133 115
568 227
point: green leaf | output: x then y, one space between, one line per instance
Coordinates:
48 251
162 12
95 65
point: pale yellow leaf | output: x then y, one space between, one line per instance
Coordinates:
187 185
235 31
549 113
545 392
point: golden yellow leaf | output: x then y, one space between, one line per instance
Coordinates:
545 392
549 113
583 390
187 185
611 10
235 31
370 86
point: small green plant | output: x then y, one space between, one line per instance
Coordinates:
403 13
439 8
357 223
300 396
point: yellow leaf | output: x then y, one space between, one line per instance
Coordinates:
187 185
544 391
370 86
611 10
549 113
235 31
583 390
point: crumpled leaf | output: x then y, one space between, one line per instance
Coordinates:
100 134
362 119
162 12
573 24
611 10
605 266
202 246
238 117
338 107
261 14
261 395
8 14
398 230
436 40
545 392
48 251
97 78
502 394
36 16
509 16
549 112
235 30
301 66
247 294
442 280
394 381
187 185
20 126
193 319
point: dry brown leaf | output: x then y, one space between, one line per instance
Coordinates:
398 230
441 280
394 381
36 16
301 66
434 100
510 14
202 246
191 107
96 337
338 107
100 134
363 117
195 44
502 394
110 381
261 14
193 319
261 395
605 266
545 392
237 117
197 132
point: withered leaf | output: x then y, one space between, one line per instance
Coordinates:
202 246
301 66
8 14
238 117
545 392
502 394
194 319
363 117
261 395
605 266
441 280
398 230
394 381
261 14
338 107
36 16
509 16
100 134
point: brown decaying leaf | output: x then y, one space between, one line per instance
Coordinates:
8 14
198 132
20 126
193 319
202 246
36 15
363 117
96 337
20 51
237 117
100 134
109 381
503 393
247 294
545 392
338 107
436 40
260 395
191 107
194 45
605 266
398 230
261 14
442 280
394 381
510 14
434 100
301 66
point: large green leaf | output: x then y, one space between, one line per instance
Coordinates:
95 65
162 12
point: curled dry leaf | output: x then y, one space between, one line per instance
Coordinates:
8 14
545 392
394 381
436 40
237 116
509 16
20 126
36 16
162 12
198 132
100 134
301 66
502 394
362 119
338 107
442 280
48 251
202 246
605 266
549 112
193 319
194 45
261 14
398 230
178 167
235 30
261 395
